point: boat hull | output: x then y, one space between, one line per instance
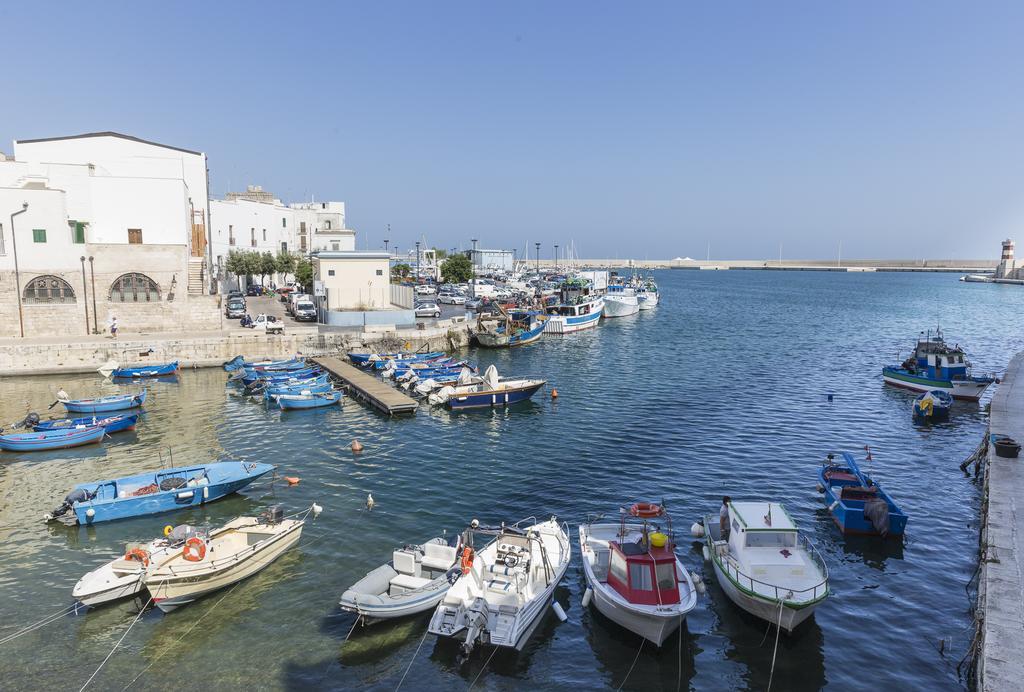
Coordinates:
648 300
502 340
849 516
312 401
51 439
767 610
111 424
114 589
146 371
494 399
566 324
106 404
655 629
966 390
621 306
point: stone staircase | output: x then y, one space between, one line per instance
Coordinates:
196 276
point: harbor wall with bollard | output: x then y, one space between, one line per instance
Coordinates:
85 354
1000 606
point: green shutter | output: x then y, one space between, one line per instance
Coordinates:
79 232
39 235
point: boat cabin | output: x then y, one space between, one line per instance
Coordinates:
576 310
938 361
642 573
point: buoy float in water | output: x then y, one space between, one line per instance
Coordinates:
557 607
369 501
356 446
587 595
697 530
317 509
707 555
292 480
554 393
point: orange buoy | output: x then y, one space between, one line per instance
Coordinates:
554 393
292 480
356 446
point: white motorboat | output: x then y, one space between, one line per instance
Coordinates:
506 587
579 307
415 580
647 294
765 565
490 391
635 578
240 549
621 301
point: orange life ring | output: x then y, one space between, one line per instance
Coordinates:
199 547
645 510
138 554
467 559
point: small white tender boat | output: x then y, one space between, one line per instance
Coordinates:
636 578
506 587
121 577
415 580
243 547
766 566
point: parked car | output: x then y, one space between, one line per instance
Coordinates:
235 294
254 290
427 310
268 324
304 310
235 308
451 298
474 303
425 290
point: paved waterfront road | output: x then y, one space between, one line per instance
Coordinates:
722 389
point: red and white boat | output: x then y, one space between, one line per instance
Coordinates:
633 574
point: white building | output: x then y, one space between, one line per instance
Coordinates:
353 280
111 224
492 260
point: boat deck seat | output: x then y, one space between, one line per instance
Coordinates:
500 586
405 563
437 556
404 581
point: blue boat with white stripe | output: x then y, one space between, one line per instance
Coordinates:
146 371
303 401
111 424
579 307
105 404
50 439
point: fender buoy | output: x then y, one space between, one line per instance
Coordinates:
167 530
645 510
467 559
194 550
138 554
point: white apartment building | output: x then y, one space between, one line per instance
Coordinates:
106 225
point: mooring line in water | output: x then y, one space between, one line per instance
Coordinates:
778 628
635 659
679 673
67 610
409 667
104 661
167 648
494 650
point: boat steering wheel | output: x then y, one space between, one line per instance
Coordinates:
511 560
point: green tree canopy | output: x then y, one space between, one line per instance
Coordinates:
457 269
401 270
284 263
236 262
267 266
251 262
304 273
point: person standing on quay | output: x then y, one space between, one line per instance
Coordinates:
113 327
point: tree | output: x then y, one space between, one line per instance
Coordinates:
284 263
267 266
440 254
251 263
457 269
401 270
236 263
304 273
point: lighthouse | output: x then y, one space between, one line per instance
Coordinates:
1007 268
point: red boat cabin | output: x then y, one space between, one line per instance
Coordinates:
643 575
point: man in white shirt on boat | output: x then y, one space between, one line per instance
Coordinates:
723 517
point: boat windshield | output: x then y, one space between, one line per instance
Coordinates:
771 539
666 572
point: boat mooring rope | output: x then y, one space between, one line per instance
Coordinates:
104 661
679 673
637 658
409 667
778 628
67 610
494 650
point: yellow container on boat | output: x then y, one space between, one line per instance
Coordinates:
658 540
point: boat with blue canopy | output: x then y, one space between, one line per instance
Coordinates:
111 424
932 406
934 364
157 491
134 371
858 505
50 439
301 401
105 404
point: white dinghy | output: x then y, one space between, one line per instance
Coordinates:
506 587
415 580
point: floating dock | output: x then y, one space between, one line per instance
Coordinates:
1001 585
381 396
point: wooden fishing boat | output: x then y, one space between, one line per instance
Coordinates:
313 388
857 504
157 491
243 547
51 439
492 391
415 580
932 406
111 424
238 362
935 365
146 370
516 328
635 578
300 401
106 404
250 376
372 358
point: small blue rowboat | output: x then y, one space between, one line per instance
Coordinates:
146 370
318 388
248 377
111 424
932 406
280 366
105 404
410 362
857 504
365 358
158 491
238 363
51 439
295 401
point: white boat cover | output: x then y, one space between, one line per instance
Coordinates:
491 377
466 376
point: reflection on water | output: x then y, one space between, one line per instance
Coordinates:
720 390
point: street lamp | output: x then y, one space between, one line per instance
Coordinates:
537 245
472 263
92 273
17 274
556 257
387 238
417 261
85 295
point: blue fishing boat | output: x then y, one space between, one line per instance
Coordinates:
857 504
111 424
932 406
50 439
238 362
578 307
271 392
282 366
516 328
418 361
106 404
146 370
158 491
936 365
367 358
250 377
296 401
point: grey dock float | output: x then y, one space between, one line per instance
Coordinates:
1001 585
363 386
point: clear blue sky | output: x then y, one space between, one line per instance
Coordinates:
634 129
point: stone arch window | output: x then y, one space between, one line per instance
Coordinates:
48 289
134 288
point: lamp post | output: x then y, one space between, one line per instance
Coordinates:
472 264
537 245
556 257
417 262
85 295
92 274
17 274
387 238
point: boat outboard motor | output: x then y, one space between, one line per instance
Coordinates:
273 515
29 421
77 495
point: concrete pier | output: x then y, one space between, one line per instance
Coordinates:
1000 663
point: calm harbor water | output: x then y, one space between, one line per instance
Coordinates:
720 390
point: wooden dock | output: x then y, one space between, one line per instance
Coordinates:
363 386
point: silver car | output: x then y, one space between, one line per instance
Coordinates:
427 310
